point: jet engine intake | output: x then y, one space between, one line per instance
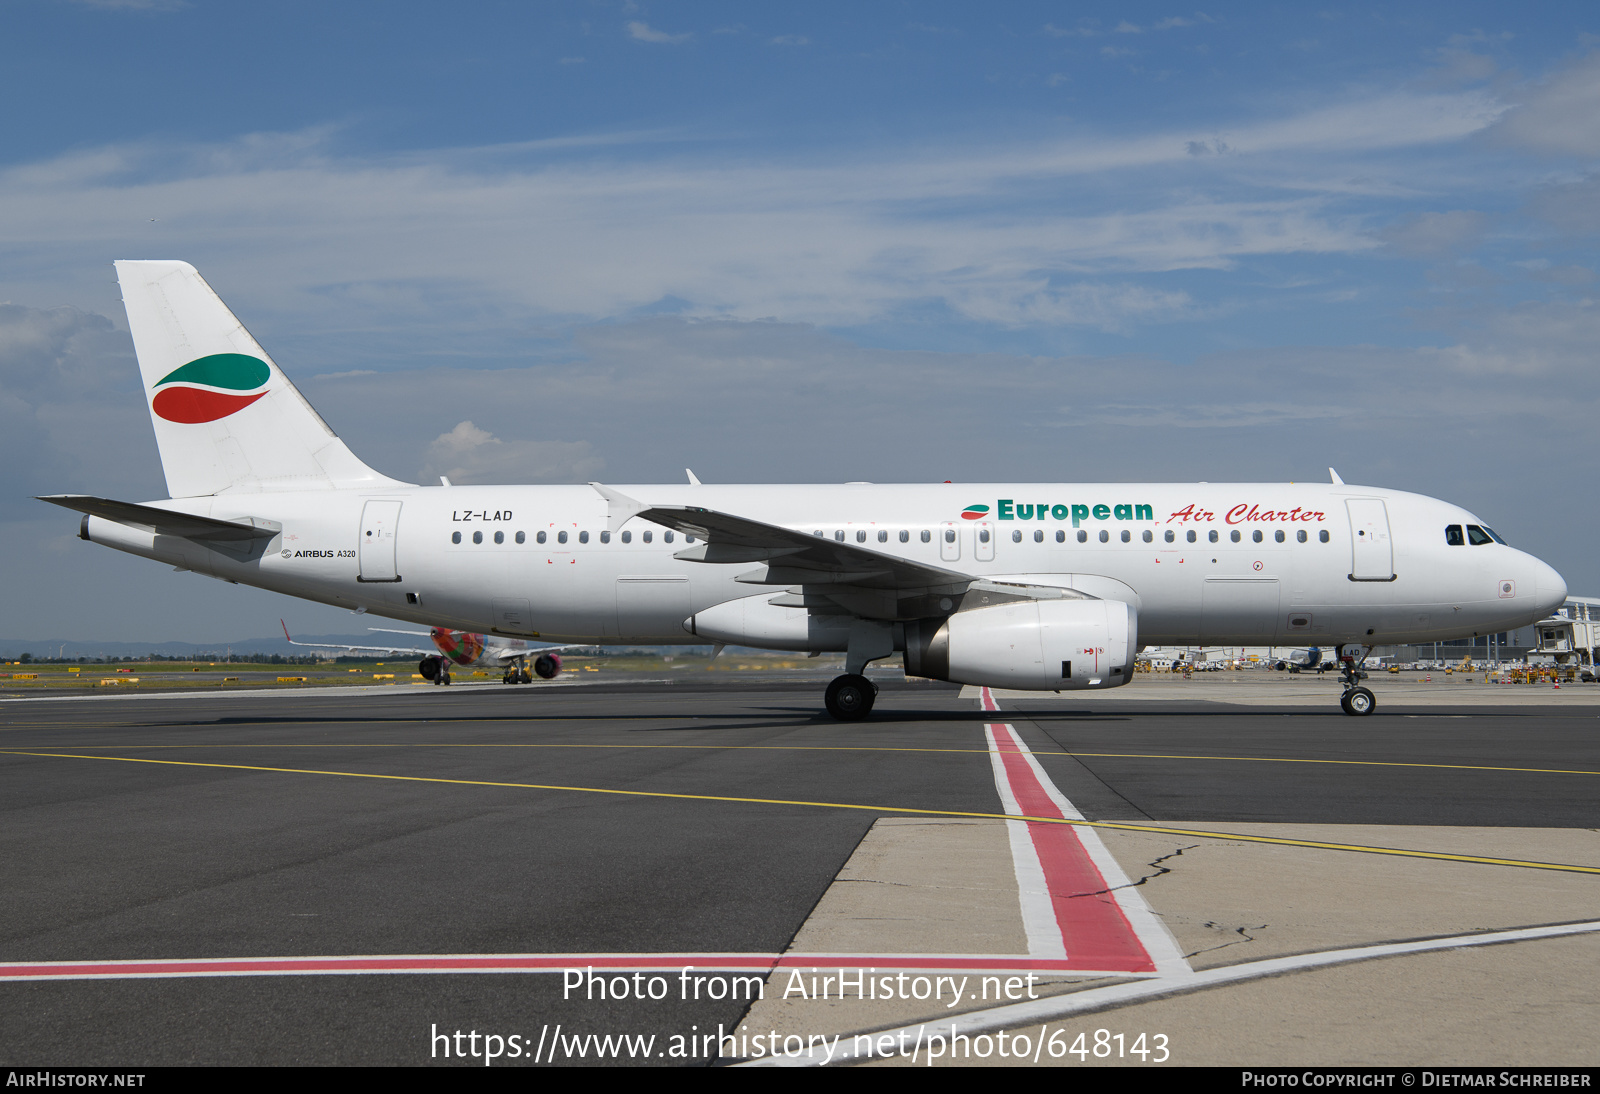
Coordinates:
1031 645
548 666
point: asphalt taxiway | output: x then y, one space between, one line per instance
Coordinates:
730 817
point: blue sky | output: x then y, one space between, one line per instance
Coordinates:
812 242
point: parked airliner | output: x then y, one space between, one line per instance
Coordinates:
464 649
1044 587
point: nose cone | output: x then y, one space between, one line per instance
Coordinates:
1549 589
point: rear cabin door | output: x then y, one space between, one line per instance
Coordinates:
375 551
1371 547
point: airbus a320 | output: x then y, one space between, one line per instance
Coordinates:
1041 587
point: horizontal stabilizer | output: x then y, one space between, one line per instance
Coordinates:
165 522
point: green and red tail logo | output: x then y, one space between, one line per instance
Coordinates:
975 512
209 388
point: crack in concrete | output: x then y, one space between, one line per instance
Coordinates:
1240 931
1154 863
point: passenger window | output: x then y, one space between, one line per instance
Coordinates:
499 537
1191 535
1256 536
666 537
605 537
1038 535
1016 535
926 536
1127 536
477 537
648 536
561 537
983 535
1148 535
688 539
1477 536
1171 535
905 536
1234 535
1278 536
1453 536
1105 536
522 537
1061 536
1083 537
1300 535
949 535
838 534
1213 535
1322 536
818 532
539 537
455 537
583 537
627 537
883 535
861 535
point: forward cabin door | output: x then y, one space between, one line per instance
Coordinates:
1371 547
375 551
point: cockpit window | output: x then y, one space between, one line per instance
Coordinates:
1496 536
1477 536
1453 535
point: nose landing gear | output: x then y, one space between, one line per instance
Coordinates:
1356 700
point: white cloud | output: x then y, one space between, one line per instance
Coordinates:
1560 115
544 231
643 32
468 454
1434 235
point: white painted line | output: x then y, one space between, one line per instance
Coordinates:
1034 1012
1043 919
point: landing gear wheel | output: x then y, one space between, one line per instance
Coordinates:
850 697
525 677
1358 701
444 678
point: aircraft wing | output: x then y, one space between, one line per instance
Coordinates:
796 558
164 521
347 646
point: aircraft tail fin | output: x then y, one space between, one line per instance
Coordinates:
227 420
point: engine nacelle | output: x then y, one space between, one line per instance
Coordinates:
753 621
430 667
548 666
1030 645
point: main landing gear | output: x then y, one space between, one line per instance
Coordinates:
1356 700
436 669
850 697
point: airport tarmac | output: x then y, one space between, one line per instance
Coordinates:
1232 868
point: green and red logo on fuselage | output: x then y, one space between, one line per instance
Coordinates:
210 388
975 512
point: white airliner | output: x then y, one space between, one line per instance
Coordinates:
1044 587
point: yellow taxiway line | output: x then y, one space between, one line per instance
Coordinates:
1114 825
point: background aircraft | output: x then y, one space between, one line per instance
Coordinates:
463 649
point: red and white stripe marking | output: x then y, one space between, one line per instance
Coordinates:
1078 906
